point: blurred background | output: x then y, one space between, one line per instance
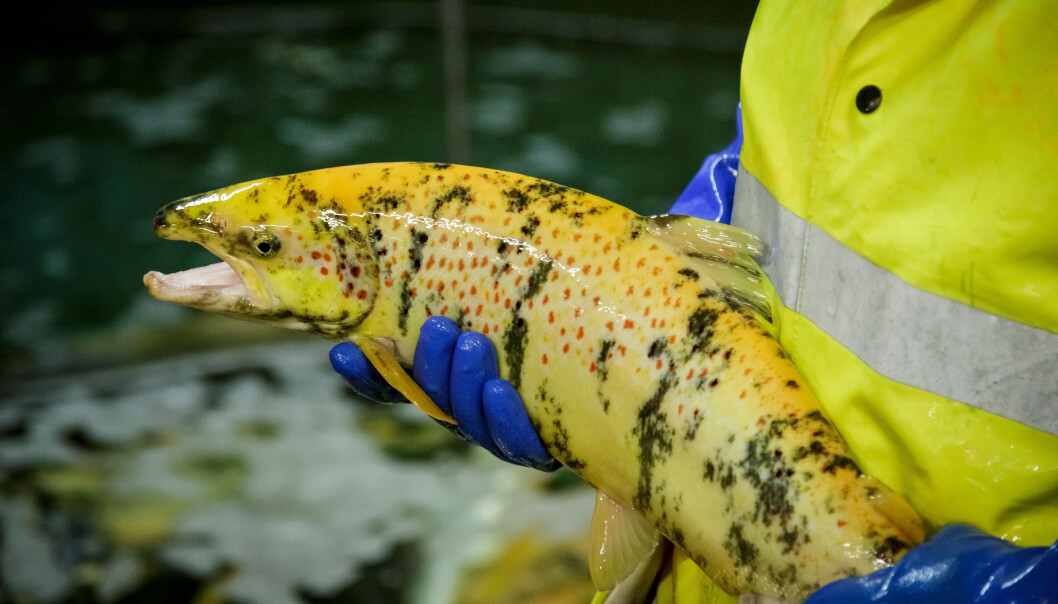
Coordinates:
150 453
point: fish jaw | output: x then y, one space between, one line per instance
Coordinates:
215 287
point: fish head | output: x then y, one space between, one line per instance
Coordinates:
300 265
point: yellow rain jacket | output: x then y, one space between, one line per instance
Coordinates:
901 162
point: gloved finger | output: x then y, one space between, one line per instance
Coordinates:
432 363
473 364
511 430
350 363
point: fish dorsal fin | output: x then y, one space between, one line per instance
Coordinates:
723 252
621 540
384 359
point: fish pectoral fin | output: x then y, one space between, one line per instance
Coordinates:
621 540
384 359
723 253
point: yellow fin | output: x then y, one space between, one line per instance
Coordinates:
621 540
385 361
722 252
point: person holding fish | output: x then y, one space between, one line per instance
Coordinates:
898 163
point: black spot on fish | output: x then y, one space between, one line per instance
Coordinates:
517 200
404 307
560 446
391 201
601 367
792 384
530 227
309 196
843 462
700 327
744 552
537 279
515 339
440 166
460 194
689 273
654 437
657 348
547 189
502 246
766 472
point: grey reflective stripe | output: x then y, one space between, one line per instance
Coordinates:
903 332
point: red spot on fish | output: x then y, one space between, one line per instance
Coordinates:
617 264
316 255
544 359
576 236
518 281
300 259
629 324
631 290
587 269
507 303
578 311
609 326
748 371
569 261
606 248
414 292
591 368
580 332
361 294
300 237
477 311
565 294
672 340
323 270
551 317
444 310
659 363
646 313
842 523
341 277
546 298
566 347
429 284
679 410
597 237
596 300
485 330
461 264
690 374
444 237
389 282
647 293
743 395
642 262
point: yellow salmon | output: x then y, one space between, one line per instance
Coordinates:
637 344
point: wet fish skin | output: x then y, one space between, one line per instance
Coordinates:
635 342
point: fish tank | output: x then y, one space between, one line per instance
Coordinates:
153 453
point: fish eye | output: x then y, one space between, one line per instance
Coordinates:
266 245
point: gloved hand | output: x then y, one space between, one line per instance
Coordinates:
960 564
712 190
460 373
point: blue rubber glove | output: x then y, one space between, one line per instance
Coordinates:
712 190
960 564
460 373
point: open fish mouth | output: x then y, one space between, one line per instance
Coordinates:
218 287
